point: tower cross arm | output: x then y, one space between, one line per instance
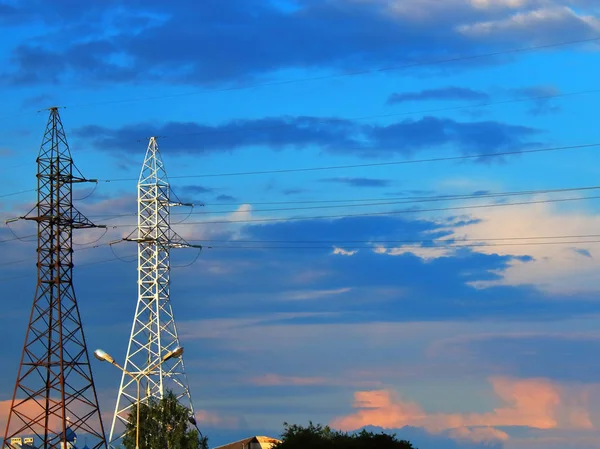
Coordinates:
184 245
76 179
80 221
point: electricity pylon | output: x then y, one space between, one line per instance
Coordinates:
153 333
54 394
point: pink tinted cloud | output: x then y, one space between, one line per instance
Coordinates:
536 403
33 411
216 420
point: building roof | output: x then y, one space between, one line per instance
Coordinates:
265 443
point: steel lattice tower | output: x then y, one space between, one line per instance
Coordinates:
54 392
153 333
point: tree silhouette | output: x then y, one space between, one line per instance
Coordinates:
164 424
323 437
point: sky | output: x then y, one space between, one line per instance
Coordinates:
397 200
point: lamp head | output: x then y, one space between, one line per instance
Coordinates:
103 356
173 354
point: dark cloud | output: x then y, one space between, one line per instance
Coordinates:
333 135
583 252
359 182
299 255
419 193
11 15
225 198
541 105
481 192
293 191
195 189
444 93
215 42
40 101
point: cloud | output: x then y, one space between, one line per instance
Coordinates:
442 93
537 26
39 101
343 252
540 97
555 268
223 197
293 191
314 294
332 135
359 182
583 252
195 189
216 420
536 403
216 43
12 15
479 277
541 105
28 410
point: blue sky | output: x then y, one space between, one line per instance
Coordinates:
369 317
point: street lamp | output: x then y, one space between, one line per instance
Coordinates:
105 357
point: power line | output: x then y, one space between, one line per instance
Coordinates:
413 112
473 245
384 201
320 217
76 266
368 244
18 238
375 164
4 195
395 114
339 167
419 241
441 197
401 113
347 74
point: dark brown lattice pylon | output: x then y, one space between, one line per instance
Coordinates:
54 393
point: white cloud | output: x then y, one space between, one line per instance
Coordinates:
343 252
427 254
313 294
541 23
560 265
557 267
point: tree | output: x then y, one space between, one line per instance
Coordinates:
323 437
164 424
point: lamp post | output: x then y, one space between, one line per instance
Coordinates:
105 357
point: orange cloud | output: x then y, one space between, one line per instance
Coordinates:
478 434
31 411
536 403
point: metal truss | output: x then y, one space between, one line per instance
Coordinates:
154 332
54 394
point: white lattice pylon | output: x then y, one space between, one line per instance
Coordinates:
154 332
